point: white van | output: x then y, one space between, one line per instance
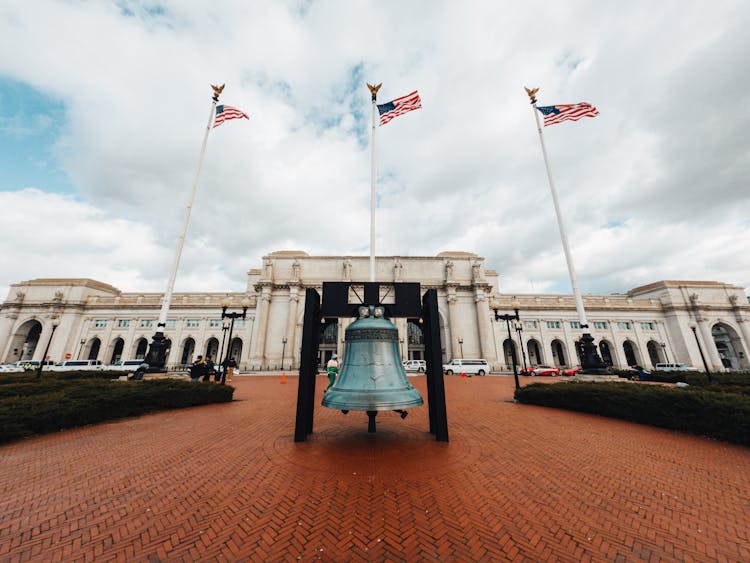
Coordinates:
420 366
674 367
469 367
125 365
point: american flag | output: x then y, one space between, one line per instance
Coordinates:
399 106
223 113
567 112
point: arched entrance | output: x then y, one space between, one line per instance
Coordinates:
605 351
94 346
212 349
235 349
188 348
415 341
535 355
509 353
117 345
631 353
327 340
141 349
729 346
558 354
654 352
24 341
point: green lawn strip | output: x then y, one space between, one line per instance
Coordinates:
705 411
42 406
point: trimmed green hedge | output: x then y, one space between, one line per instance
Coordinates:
695 378
713 412
38 406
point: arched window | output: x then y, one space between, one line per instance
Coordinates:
117 347
606 352
629 350
96 344
188 347
558 354
535 355
141 349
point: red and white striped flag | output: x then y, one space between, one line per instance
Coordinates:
399 106
567 112
225 113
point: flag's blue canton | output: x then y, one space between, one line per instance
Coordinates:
220 109
547 110
384 108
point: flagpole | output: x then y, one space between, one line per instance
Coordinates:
590 359
374 92
156 357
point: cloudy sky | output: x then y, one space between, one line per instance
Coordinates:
103 105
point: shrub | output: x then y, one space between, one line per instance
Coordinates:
39 406
714 412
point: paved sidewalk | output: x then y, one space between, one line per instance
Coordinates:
227 483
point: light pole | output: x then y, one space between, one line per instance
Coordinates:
224 329
664 350
519 329
83 341
55 323
507 318
693 326
225 303
461 346
283 349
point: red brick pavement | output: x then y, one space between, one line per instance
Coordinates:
227 483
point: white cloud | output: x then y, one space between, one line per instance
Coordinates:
666 159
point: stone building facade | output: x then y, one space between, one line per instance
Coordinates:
666 321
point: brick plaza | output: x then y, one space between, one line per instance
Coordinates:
227 483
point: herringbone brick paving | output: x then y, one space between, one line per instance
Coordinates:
227 483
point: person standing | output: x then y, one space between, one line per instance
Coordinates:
231 366
332 370
197 369
210 370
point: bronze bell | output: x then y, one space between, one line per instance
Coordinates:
372 377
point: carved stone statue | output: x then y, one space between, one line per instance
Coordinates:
397 270
475 271
347 270
449 270
295 270
268 268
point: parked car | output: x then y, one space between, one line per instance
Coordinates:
571 371
11 369
526 371
674 367
415 365
469 367
29 365
545 370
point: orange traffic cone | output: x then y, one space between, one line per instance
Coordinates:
283 377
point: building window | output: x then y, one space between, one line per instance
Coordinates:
100 323
214 323
553 324
575 324
601 325
146 323
648 326
123 323
624 325
192 323
171 323
529 324
239 323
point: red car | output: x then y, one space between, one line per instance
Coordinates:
571 371
545 370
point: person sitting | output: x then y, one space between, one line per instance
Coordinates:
197 369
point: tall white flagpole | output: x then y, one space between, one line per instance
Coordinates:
560 222
373 172
155 357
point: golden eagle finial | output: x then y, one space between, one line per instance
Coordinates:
532 94
217 91
374 90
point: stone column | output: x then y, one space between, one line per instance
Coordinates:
452 314
486 349
745 330
265 306
291 324
709 348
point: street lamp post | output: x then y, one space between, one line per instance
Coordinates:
55 323
224 329
519 329
693 326
283 349
664 350
461 346
225 303
83 341
507 318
